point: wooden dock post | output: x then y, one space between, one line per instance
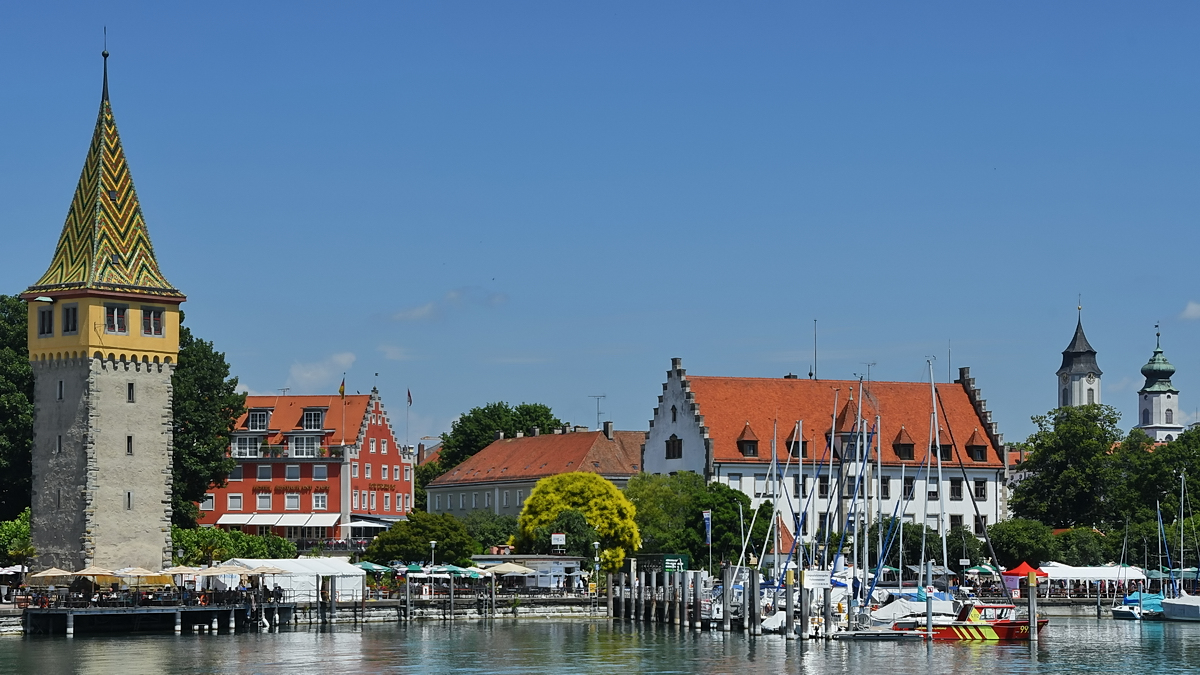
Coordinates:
232 622
805 609
652 615
789 621
451 596
1033 584
608 585
755 603
827 597
640 605
71 624
697 588
726 597
178 622
619 601
407 599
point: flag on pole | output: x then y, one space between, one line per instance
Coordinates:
410 398
342 389
708 528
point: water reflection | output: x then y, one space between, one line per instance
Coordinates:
536 647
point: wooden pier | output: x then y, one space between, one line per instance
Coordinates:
180 618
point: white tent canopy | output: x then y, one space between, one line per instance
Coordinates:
302 573
1059 571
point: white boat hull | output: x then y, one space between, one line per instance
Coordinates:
1183 608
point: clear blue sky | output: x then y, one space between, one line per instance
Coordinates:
541 202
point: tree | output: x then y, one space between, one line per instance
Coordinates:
1068 467
423 475
667 506
912 535
408 541
579 534
208 545
16 408
205 406
1022 539
16 544
490 529
600 502
476 429
1080 546
962 543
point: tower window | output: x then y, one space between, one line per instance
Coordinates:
60 390
58 446
674 414
129 392
114 319
70 319
152 322
128 501
1064 397
45 321
1091 396
1170 416
1145 417
129 445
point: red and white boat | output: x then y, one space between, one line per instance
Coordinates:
977 623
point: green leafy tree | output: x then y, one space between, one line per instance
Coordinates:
1068 464
1022 539
408 541
961 543
476 429
579 533
15 541
205 407
667 510
912 538
16 408
490 529
424 474
601 503
209 545
1081 546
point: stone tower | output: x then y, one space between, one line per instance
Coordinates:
1158 400
1079 376
103 341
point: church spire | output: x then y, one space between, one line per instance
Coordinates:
104 244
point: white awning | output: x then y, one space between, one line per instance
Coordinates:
264 519
365 523
323 520
234 519
292 520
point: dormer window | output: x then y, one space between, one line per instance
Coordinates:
748 448
257 420
904 451
798 448
312 420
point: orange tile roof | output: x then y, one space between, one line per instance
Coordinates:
728 404
531 457
287 415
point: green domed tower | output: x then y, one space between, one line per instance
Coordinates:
1158 399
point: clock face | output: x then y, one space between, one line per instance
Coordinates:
1065 379
1091 378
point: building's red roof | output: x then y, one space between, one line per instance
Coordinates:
287 415
532 457
729 404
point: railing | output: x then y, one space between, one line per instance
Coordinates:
175 597
282 451
358 545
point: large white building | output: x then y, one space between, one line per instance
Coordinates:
724 428
1158 399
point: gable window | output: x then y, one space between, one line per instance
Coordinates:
245 446
233 502
45 321
70 319
114 319
383 446
408 473
312 420
674 447
956 492
372 446
152 322
748 448
674 414
320 472
904 451
910 486
981 489
257 420
304 446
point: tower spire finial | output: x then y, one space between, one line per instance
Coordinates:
104 95
1157 336
1079 306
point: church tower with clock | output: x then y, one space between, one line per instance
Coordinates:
1079 376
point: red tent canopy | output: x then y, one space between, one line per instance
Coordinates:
1023 570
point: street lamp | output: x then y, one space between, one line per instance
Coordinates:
596 566
432 547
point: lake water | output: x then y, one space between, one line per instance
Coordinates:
580 646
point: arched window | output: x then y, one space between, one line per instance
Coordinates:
1168 438
1145 417
674 447
1064 398
1170 416
1091 396
674 413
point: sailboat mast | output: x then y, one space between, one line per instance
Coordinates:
879 491
941 491
903 512
775 496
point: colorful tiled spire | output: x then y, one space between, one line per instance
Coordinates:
104 243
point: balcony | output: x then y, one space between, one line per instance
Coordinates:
266 451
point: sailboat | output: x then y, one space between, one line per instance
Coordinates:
1183 607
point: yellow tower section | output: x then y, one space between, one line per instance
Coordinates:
103 295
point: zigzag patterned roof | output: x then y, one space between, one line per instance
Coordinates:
104 243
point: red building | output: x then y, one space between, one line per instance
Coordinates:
311 467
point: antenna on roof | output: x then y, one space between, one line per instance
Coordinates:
812 372
598 413
285 390
868 365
